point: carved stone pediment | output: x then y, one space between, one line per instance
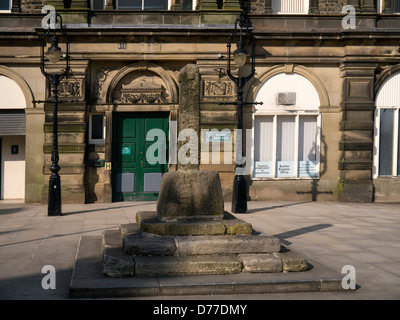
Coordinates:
141 90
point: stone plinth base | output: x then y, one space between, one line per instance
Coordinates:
132 251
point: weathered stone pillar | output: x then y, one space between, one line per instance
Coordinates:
189 116
357 126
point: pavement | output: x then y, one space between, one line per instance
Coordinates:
365 237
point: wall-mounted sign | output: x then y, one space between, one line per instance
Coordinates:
307 169
263 169
218 136
108 166
126 150
285 169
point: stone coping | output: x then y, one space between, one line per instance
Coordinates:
149 222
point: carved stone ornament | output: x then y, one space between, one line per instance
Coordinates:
142 90
70 88
218 88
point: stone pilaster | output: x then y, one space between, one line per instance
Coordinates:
357 126
71 134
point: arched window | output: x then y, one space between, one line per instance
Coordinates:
387 142
286 128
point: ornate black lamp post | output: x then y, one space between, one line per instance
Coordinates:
243 32
54 55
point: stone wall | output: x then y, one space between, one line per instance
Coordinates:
331 6
32 6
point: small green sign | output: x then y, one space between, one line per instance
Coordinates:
126 150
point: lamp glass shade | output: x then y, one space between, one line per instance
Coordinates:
54 53
240 59
240 55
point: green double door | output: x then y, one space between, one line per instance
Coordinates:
139 155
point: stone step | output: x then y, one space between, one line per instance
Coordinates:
139 243
88 280
149 222
226 244
187 265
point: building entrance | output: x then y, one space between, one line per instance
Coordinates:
136 169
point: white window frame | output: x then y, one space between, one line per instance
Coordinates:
306 4
168 6
9 10
97 141
375 168
296 146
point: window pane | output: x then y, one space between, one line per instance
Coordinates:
307 146
130 4
307 138
285 146
5 4
288 6
263 127
386 142
155 4
97 126
97 4
263 144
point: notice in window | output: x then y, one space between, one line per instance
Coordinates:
307 169
263 169
285 169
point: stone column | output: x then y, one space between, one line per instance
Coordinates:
313 8
109 5
355 4
387 6
268 6
176 4
207 5
357 127
16 6
230 4
369 6
189 112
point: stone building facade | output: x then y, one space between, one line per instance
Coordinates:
328 128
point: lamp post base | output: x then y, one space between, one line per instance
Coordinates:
239 197
54 201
